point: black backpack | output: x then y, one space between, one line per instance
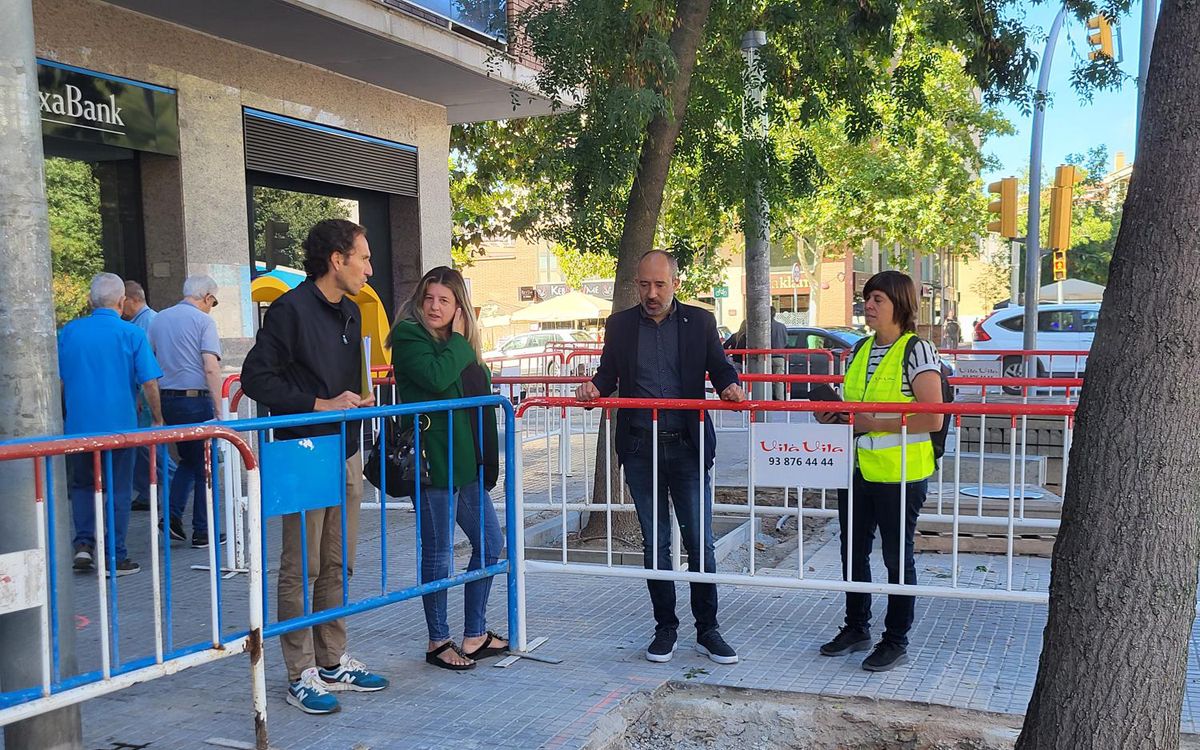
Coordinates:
937 438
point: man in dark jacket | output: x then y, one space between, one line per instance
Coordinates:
661 349
308 357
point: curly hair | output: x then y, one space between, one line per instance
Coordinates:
326 238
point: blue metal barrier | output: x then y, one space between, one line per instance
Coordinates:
58 691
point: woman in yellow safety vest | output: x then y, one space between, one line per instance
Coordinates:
892 366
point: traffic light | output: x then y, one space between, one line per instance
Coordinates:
1004 206
1100 37
1061 197
1060 265
278 241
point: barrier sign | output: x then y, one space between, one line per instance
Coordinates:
801 455
22 580
979 368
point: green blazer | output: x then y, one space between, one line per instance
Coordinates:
429 370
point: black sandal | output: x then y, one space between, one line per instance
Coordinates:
431 657
486 650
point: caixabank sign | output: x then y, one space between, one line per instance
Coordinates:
84 105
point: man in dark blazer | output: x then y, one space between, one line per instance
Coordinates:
662 349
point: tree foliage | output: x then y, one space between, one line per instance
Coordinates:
76 251
300 211
913 184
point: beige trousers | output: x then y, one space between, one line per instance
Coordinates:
321 645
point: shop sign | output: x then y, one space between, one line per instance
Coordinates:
809 455
81 105
550 291
599 288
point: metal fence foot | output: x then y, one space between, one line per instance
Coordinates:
515 656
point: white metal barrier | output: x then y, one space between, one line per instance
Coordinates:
954 511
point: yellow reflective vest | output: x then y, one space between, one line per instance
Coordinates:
879 453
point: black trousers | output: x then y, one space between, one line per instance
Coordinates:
877 505
679 479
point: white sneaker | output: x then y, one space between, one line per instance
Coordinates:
311 695
351 674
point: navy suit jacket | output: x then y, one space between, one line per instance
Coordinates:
700 352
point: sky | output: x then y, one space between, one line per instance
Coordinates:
1071 125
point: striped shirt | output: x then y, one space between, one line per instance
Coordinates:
923 357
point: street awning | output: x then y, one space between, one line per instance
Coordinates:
563 309
1074 290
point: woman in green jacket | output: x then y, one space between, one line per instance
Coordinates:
436 355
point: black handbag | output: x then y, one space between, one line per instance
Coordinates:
402 468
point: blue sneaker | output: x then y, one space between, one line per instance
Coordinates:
351 674
311 695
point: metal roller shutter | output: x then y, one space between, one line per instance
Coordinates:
280 145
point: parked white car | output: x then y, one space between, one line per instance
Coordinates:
1065 327
533 343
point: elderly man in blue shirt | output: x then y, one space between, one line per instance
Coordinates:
185 340
136 311
102 361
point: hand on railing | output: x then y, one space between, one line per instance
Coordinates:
343 401
589 392
733 392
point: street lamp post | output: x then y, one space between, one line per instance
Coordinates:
1149 21
1033 250
758 223
29 398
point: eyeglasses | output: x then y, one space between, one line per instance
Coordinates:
214 299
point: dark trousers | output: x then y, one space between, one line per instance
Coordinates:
189 479
679 478
878 505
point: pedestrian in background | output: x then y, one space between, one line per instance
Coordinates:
188 348
102 360
437 339
136 311
308 358
951 333
779 363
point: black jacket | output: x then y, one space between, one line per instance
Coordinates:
700 352
307 348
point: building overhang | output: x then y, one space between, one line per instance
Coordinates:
371 42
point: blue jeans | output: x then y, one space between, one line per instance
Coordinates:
189 474
437 554
164 466
82 491
678 477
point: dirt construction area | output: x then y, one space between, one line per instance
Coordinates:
705 717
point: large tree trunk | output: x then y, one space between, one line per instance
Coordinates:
1123 591
645 203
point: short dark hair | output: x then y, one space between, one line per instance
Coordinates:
901 290
327 237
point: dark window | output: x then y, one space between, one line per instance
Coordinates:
1057 321
1015 323
1088 320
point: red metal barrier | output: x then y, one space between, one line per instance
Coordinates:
92 443
852 407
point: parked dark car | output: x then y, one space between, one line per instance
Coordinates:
840 341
